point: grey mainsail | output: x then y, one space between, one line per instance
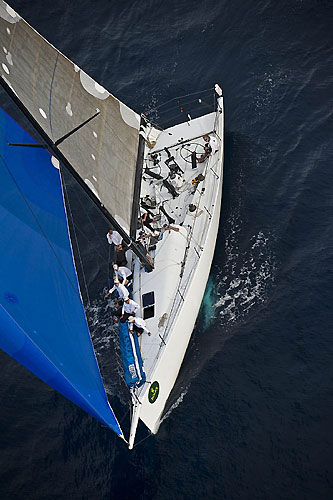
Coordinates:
60 97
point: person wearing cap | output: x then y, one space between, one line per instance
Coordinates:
120 288
129 309
113 237
137 325
122 274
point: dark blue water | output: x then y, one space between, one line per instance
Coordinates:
252 410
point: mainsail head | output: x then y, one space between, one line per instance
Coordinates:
60 96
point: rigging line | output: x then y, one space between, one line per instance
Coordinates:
125 415
183 104
181 97
77 243
144 439
184 113
41 229
51 89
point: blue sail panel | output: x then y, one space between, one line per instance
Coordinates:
42 320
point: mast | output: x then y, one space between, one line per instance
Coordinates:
138 178
144 258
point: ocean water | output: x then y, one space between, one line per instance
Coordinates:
251 413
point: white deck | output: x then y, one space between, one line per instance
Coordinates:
182 259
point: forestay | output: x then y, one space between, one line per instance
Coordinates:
42 320
60 96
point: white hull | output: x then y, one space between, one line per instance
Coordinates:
169 365
163 359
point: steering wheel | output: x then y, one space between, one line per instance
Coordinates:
188 149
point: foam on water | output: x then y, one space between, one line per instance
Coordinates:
245 278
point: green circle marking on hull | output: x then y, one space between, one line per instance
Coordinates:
153 392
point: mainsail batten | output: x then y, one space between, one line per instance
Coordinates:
42 320
60 96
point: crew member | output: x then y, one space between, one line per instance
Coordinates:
121 255
123 274
121 290
211 142
129 309
113 237
137 325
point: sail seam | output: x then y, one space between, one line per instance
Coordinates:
51 88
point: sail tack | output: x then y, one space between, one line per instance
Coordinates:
42 321
61 96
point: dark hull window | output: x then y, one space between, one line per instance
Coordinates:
148 301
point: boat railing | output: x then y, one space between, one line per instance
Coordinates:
197 245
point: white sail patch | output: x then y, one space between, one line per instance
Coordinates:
92 87
55 162
42 112
5 68
129 116
9 58
69 109
8 14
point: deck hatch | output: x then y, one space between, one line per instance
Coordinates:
148 302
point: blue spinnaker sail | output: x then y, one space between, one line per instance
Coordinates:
42 320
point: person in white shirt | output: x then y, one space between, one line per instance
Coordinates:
129 309
114 237
137 325
122 272
121 290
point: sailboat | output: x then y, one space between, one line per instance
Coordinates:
127 166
